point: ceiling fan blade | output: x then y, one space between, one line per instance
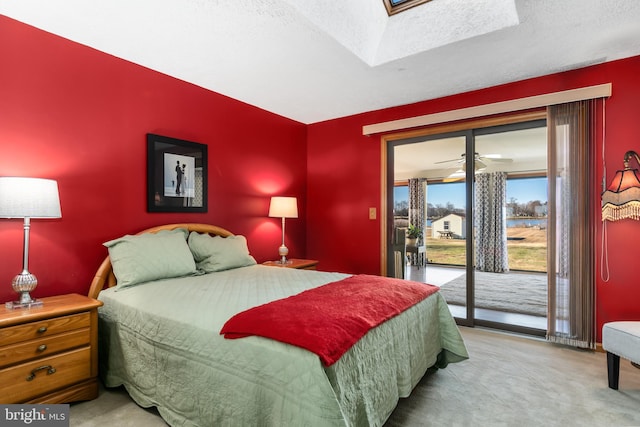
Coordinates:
495 158
479 160
448 161
500 160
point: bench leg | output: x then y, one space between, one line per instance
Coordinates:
613 370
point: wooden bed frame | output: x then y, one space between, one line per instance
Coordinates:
104 277
333 407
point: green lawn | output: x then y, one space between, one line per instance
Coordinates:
450 252
521 256
528 258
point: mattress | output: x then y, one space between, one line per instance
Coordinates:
161 341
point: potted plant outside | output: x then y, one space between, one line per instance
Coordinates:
413 234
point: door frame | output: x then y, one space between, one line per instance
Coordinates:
387 182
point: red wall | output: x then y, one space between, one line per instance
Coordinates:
344 179
79 116
74 114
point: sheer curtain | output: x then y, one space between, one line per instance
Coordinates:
490 220
571 317
417 209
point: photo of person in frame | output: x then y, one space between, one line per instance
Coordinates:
179 175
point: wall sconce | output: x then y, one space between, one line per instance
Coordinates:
283 207
622 198
27 198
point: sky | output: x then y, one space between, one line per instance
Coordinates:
523 190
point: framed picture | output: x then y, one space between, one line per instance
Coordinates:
176 175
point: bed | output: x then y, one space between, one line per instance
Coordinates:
160 338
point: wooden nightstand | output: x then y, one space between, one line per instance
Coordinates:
49 354
303 264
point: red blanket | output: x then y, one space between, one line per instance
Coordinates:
329 319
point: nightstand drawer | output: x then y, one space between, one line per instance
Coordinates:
42 347
43 328
41 376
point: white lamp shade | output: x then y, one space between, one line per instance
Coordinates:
283 207
29 198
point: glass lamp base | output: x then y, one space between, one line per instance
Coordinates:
14 305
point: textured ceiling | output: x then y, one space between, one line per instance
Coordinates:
313 61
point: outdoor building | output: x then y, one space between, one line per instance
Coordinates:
452 226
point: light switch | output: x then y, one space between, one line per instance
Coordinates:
372 213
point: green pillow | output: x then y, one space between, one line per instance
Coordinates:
219 253
151 256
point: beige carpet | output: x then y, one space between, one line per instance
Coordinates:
509 292
508 381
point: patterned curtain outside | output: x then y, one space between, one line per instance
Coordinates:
417 209
571 318
490 222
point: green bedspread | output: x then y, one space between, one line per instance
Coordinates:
161 341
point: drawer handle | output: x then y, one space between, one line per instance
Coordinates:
42 329
42 348
50 370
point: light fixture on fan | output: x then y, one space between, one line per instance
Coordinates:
478 166
621 200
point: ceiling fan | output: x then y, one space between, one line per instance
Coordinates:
479 164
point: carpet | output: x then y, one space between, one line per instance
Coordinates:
508 381
508 292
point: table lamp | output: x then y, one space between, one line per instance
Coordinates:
27 198
283 207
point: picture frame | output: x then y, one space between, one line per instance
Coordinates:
176 175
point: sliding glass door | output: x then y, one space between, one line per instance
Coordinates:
484 227
440 255
510 227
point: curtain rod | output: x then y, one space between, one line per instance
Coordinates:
537 101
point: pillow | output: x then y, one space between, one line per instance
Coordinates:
219 253
150 256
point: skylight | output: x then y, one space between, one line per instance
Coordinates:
397 6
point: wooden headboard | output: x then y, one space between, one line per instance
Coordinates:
104 277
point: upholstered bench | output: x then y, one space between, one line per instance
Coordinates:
620 339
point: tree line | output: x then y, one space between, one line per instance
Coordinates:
533 208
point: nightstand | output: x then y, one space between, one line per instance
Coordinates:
49 354
303 264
